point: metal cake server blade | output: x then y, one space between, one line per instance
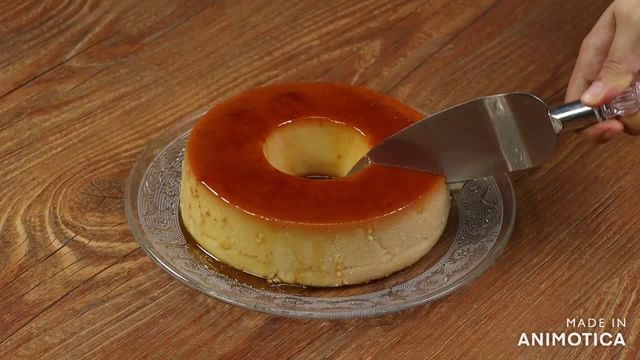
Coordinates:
483 137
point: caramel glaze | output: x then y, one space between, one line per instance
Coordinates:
225 152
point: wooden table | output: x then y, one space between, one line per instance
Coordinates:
84 85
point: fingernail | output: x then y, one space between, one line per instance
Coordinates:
593 93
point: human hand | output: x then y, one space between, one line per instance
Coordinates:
608 63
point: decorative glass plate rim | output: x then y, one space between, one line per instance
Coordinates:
165 139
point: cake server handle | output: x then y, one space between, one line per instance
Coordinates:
575 115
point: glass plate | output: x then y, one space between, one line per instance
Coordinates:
479 226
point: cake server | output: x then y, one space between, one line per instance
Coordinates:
491 135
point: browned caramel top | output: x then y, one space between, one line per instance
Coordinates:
225 151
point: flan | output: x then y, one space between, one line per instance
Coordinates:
264 187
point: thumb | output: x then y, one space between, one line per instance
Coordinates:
614 78
622 62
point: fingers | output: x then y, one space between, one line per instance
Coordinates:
623 60
593 52
607 65
632 124
603 132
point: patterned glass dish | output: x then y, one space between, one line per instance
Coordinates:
479 226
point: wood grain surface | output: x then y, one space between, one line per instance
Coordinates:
85 84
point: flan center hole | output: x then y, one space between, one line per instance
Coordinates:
315 148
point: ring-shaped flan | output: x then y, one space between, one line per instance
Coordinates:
245 198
